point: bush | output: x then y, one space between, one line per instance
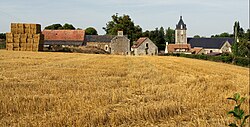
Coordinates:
241 61
225 58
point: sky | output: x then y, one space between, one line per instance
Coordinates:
202 17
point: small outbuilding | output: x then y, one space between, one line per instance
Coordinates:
144 46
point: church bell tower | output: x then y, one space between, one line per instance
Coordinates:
181 32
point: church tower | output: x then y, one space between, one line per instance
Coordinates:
181 32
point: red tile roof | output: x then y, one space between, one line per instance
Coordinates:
64 35
173 47
196 50
139 42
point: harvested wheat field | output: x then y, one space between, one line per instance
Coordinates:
67 89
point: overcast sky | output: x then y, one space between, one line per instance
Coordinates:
202 17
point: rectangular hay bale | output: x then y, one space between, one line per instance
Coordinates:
16 45
16 49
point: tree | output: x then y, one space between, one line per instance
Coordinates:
66 26
91 31
170 35
236 38
125 24
3 36
197 36
54 27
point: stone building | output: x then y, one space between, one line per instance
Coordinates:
120 45
99 41
114 44
181 32
144 46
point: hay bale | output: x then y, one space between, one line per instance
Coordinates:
30 35
9 46
17 35
9 40
27 26
23 45
27 31
17 40
16 49
9 35
23 40
30 40
16 45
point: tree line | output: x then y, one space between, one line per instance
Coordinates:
159 35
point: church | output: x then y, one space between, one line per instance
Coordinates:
186 45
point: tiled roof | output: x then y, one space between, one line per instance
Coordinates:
139 42
196 50
173 47
181 25
209 43
99 38
64 35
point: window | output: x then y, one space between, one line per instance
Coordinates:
146 45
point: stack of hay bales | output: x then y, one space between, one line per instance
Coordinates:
25 37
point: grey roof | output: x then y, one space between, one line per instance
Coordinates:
181 25
209 43
58 42
98 38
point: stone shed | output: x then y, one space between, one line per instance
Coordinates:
120 44
144 46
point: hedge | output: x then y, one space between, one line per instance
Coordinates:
241 61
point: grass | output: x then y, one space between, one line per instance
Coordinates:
70 89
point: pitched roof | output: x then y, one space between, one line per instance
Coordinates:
173 47
196 50
181 25
209 43
64 35
139 42
98 38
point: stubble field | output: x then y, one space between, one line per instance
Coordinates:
60 89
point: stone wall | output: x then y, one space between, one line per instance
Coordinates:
146 48
120 45
102 45
180 36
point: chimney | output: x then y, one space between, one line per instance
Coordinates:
120 33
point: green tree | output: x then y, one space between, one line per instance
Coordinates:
170 35
54 27
236 38
67 26
197 36
125 24
3 36
91 31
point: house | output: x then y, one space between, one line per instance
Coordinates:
63 37
212 45
120 44
99 41
178 48
144 46
114 44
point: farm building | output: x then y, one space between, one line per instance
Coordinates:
144 46
114 44
99 41
64 37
